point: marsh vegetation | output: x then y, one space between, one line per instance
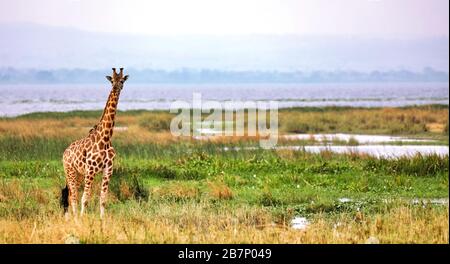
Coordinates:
180 190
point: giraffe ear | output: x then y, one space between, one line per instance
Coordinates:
109 78
125 77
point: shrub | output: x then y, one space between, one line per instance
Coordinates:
220 191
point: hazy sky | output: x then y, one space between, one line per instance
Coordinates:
380 18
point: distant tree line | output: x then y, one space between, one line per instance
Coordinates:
186 75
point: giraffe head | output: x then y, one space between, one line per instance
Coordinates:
117 80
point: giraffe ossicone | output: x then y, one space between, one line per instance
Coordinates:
85 158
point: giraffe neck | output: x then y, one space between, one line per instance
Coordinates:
106 124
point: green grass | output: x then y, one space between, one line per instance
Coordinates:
263 178
254 187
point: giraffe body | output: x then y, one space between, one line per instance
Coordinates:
85 158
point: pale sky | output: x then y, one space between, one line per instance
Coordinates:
377 18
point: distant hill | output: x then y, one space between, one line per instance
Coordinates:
30 46
33 76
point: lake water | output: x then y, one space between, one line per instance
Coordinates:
20 99
377 151
360 139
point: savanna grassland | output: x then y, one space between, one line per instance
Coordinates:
169 189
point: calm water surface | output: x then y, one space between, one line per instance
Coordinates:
20 99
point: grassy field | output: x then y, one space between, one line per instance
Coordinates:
179 190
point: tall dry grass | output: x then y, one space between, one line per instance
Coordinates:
417 120
154 127
196 223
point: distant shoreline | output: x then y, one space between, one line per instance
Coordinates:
95 112
9 75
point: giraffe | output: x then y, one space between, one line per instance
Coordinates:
93 154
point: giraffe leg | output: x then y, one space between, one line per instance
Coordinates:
107 172
71 177
89 178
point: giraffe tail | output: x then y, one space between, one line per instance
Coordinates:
65 198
